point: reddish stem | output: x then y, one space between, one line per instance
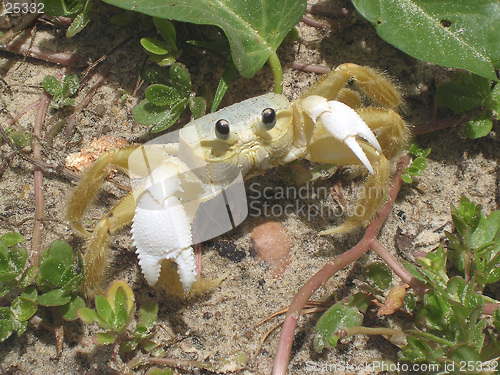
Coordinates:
315 23
68 129
398 269
63 58
311 68
329 269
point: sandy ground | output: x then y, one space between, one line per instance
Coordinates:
214 326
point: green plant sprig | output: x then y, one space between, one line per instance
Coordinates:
471 92
448 324
114 313
61 94
167 97
418 165
57 279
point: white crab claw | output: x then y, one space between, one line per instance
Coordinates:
161 230
343 123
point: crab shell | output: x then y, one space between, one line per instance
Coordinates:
328 124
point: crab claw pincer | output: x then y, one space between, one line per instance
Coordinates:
343 123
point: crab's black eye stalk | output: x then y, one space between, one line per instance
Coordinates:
222 129
269 118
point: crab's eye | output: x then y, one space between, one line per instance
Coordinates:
222 129
269 118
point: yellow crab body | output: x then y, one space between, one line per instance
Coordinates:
327 124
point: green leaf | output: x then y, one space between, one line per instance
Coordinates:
30 293
466 216
68 311
180 79
158 371
21 139
167 31
420 163
62 251
104 310
6 323
87 315
74 283
198 106
18 258
11 238
55 297
149 345
105 338
496 318
51 270
70 87
407 178
155 46
147 315
161 95
255 29
5 287
340 315
23 308
495 101
378 275
121 311
128 345
52 85
438 311
480 126
465 353
456 288
226 79
80 21
163 60
416 350
466 92
459 34
65 8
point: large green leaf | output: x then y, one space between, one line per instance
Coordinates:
255 28
456 33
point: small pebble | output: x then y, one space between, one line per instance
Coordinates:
271 243
228 250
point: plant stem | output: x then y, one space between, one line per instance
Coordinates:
398 269
360 330
430 336
329 269
68 129
274 63
311 68
62 58
26 21
315 23
182 363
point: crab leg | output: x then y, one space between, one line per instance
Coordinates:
374 84
97 246
343 123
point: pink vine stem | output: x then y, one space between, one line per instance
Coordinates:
329 269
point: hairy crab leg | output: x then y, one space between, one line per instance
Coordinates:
374 84
97 254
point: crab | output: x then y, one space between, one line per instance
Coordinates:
328 124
